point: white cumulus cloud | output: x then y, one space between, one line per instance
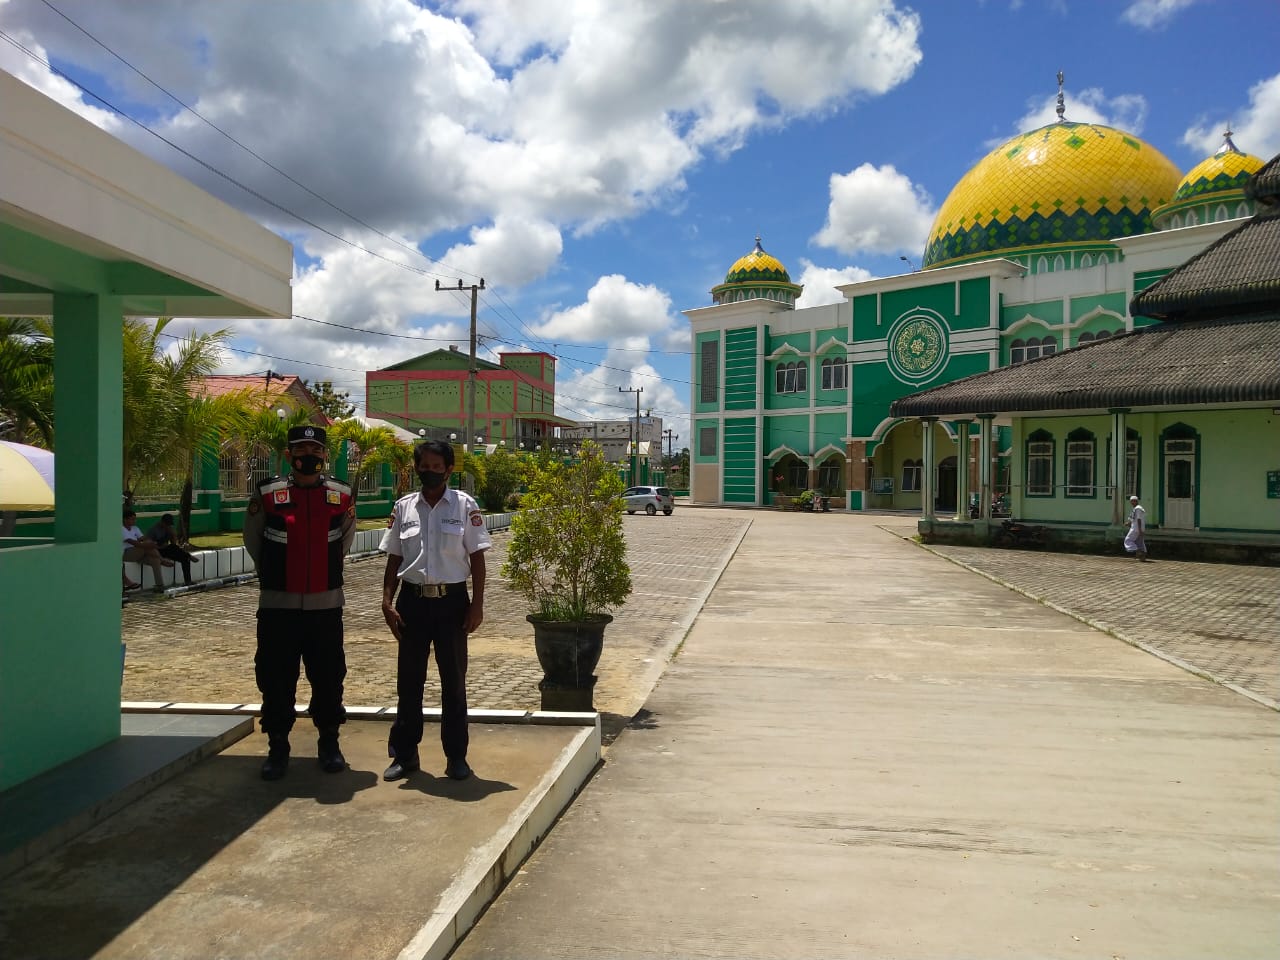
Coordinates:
1153 14
615 309
820 282
1255 128
876 210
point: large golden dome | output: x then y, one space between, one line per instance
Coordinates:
1066 185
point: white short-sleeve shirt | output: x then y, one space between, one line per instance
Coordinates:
435 544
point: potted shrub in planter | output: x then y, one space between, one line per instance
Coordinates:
568 558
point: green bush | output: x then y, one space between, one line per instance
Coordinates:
567 554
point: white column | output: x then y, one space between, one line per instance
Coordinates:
926 468
1119 458
962 469
984 464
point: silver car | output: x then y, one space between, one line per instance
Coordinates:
649 499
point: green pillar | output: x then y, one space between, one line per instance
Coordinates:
60 684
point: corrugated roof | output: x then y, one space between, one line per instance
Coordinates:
1238 274
1234 360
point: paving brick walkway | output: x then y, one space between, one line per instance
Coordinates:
199 647
1221 620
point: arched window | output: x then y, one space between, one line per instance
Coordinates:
791 377
1102 334
1017 351
911 475
802 376
834 374
1085 338
1081 456
780 378
1242 210
1059 264
1047 346
1177 220
1192 219
1042 265
1033 349
1221 212
1086 261
1039 482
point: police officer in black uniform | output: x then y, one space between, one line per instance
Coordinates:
298 529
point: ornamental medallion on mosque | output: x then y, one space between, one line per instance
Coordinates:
917 346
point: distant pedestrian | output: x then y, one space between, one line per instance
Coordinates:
138 549
437 538
298 529
1135 540
165 537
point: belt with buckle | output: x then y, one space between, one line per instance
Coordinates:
429 590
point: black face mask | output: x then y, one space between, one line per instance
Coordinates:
432 479
308 464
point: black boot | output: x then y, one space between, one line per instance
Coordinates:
328 753
277 763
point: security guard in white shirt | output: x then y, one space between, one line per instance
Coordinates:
437 539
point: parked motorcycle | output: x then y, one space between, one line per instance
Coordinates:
1015 533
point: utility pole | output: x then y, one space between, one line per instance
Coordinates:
471 365
635 437
671 438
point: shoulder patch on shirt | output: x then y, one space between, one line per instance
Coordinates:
477 520
281 496
332 496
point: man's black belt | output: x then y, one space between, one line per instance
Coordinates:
429 590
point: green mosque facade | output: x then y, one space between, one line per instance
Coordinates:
1038 249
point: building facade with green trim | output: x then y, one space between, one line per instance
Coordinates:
515 399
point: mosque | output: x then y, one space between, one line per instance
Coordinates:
1039 249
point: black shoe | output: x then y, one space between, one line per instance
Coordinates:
400 769
330 756
275 766
457 770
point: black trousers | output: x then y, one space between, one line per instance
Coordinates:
428 622
171 551
314 638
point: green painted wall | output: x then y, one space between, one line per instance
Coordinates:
1116 303
385 395
877 388
1237 448
741 459
60 668
788 431
439 396
829 428
527 366
741 348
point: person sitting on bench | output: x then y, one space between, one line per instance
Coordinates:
165 537
138 549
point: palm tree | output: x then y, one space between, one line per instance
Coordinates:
266 429
26 380
162 427
367 448
201 423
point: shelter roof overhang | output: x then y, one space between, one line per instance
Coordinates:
83 212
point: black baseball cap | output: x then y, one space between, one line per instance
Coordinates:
307 434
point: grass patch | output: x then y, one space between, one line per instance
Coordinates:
233 538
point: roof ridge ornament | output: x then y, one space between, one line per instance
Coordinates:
1062 103
1228 145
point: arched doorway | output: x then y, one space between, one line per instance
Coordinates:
946 496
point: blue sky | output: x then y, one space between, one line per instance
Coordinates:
602 165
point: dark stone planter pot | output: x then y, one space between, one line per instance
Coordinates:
568 652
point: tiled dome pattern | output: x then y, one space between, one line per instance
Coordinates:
1225 170
1063 184
757 265
757 276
